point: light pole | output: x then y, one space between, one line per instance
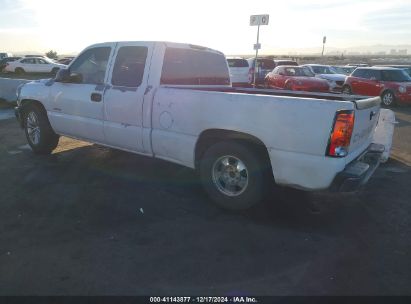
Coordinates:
324 41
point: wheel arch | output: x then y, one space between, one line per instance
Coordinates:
212 136
24 103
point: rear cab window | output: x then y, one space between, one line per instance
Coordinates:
237 63
183 66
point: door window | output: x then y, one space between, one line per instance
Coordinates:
360 73
129 66
92 65
28 61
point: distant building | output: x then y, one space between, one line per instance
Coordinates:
393 52
402 52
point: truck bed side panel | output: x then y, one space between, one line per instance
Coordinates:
292 129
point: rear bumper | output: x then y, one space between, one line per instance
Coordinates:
359 171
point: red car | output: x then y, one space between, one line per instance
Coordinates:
295 78
393 85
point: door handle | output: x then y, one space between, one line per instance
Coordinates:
96 97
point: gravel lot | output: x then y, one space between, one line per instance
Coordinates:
93 221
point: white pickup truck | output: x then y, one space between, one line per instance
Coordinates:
175 102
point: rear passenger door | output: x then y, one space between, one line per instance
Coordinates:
29 65
124 97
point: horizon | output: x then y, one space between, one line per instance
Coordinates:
39 26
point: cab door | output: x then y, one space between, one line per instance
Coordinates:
367 83
124 97
76 107
29 65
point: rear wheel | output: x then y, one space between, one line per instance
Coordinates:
388 99
19 71
234 175
346 90
39 133
288 86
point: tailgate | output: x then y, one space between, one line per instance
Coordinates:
366 117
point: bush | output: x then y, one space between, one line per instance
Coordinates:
52 54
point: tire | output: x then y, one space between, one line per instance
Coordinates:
19 71
346 90
388 99
234 175
54 71
37 128
288 86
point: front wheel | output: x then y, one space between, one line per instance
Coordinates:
39 133
234 175
388 99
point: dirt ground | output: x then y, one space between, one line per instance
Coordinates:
93 221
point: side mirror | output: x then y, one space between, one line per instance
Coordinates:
76 78
63 75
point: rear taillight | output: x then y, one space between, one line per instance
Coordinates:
340 137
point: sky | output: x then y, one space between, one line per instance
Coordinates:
70 26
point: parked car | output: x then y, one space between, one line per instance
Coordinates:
344 70
356 65
264 67
37 56
335 80
5 55
406 68
295 78
285 62
174 102
65 60
33 65
393 85
239 71
4 61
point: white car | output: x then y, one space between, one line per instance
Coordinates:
336 81
34 65
239 71
174 102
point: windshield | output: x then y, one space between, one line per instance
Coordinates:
395 75
298 72
322 70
